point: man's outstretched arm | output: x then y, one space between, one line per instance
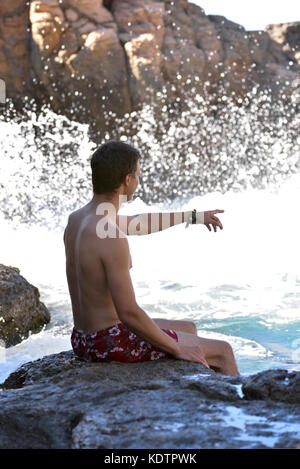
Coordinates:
147 223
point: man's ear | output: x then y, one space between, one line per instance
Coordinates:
126 179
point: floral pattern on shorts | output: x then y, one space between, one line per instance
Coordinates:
116 343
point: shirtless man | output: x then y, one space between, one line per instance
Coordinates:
108 322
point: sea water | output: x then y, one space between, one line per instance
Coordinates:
240 284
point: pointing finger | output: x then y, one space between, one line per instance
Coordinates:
218 211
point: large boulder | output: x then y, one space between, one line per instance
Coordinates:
21 310
61 401
95 60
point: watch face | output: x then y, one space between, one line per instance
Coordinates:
194 216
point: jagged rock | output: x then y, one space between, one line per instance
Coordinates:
92 59
288 36
278 385
71 15
81 64
63 402
21 311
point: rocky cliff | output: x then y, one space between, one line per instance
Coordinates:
92 59
62 402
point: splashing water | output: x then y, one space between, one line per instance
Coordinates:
241 284
189 150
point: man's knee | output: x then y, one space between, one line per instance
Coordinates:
191 327
227 360
226 350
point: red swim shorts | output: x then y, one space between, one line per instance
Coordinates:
116 343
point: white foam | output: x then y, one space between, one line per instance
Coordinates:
36 346
239 390
240 419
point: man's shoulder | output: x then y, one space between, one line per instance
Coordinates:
75 213
82 218
72 217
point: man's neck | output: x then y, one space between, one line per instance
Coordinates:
98 199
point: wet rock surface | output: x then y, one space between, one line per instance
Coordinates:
62 402
21 310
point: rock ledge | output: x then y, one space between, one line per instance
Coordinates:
62 402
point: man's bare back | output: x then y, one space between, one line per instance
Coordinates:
92 304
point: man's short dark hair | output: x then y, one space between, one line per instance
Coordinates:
110 163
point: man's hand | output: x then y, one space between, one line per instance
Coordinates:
211 219
192 353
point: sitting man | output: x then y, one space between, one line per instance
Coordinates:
108 322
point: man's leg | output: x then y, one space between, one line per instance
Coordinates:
218 353
177 325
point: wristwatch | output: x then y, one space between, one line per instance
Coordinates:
194 217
